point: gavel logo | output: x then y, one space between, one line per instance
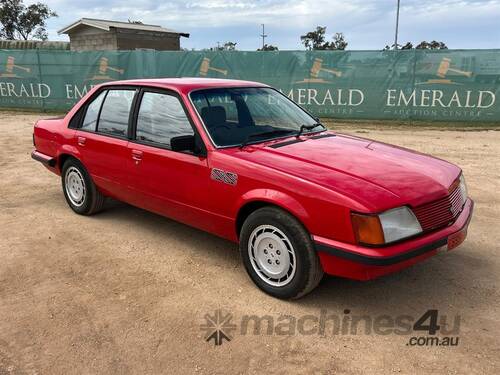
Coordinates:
10 66
104 67
444 68
317 67
103 70
442 71
205 67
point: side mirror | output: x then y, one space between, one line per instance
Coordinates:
182 143
188 143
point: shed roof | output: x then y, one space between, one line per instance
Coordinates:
107 25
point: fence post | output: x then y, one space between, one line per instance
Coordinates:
413 80
40 76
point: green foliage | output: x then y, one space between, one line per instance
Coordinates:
431 45
268 47
228 46
18 21
422 45
339 42
316 40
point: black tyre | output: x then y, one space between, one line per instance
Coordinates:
278 254
79 190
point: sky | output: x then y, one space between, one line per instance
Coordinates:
366 24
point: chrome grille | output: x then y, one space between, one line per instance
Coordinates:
441 212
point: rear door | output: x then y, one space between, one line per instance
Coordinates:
102 139
171 183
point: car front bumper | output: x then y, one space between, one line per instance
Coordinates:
364 263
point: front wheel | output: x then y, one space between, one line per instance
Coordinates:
278 254
79 190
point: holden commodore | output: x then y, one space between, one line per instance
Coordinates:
242 161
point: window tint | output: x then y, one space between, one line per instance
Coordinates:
115 112
160 118
90 119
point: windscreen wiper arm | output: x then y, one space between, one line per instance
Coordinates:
266 133
309 127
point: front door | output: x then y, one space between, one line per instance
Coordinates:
174 184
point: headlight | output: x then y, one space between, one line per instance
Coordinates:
399 223
463 188
387 227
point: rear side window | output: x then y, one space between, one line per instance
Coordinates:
90 119
115 112
161 117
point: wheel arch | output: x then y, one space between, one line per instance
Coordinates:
255 200
65 154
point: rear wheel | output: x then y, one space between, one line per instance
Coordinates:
278 254
79 190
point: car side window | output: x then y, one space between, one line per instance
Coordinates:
161 117
115 112
90 120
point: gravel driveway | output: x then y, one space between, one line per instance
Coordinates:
127 291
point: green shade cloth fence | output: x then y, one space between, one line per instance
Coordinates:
445 85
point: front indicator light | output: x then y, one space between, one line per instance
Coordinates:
367 229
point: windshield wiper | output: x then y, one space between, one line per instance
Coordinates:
309 127
264 134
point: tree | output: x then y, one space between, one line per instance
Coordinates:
315 40
268 47
431 45
408 45
228 46
338 42
422 45
24 22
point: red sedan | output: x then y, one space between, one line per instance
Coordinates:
240 160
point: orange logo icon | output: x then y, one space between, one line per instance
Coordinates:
11 67
205 67
443 70
316 69
104 68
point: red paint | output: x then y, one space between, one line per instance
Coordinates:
319 181
342 267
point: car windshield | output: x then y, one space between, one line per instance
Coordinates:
237 116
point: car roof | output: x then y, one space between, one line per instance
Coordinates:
186 85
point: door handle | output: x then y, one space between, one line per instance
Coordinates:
137 156
81 141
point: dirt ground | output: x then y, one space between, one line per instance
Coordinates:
126 291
